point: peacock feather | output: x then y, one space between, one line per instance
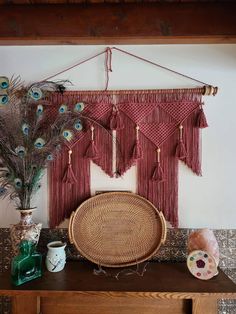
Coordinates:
35 93
39 110
20 151
25 128
67 134
78 125
39 143
32 134
63 109
4 99
4 82
79 107
29 136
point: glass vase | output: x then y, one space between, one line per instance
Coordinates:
27 265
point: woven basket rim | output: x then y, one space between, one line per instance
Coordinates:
130 195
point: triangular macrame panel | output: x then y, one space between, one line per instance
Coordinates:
179 110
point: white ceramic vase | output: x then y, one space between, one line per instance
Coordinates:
56 256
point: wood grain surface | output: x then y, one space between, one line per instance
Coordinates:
165 288
99 1
27 304
115 305
208 306
161 280
111 23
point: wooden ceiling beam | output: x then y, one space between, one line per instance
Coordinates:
122 23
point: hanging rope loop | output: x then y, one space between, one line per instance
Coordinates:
109 59
108 68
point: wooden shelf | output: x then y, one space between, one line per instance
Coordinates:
164 287
118 23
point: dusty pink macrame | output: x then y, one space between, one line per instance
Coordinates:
65 196
157 115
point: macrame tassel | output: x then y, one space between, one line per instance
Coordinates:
158 173
92 151
69 176
180 150
137 150
201 121
116 122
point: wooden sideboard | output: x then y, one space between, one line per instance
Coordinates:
164 288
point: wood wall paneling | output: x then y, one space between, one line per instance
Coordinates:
121 23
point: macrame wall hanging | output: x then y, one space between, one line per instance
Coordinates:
153 129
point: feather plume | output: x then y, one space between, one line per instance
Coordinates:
30 135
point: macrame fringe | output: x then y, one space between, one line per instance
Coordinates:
192 140
165 195
127 148
201 121
130 96
65 198
104 141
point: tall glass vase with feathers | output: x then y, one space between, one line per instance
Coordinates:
32 131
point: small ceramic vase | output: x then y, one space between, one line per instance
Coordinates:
26 229
56 256
204 240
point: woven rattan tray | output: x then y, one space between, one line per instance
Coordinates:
117 229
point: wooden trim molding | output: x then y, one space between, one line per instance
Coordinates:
118 23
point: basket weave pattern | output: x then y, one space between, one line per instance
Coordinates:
117 229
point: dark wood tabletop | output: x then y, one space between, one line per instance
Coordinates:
78 276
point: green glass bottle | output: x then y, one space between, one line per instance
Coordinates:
27 265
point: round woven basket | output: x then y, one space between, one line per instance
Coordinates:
117 229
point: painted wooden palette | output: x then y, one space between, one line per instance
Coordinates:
202 265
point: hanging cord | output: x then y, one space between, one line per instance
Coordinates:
159 66
75 65
108 68
208 88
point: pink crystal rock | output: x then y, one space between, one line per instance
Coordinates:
204 240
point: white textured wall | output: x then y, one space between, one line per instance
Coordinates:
208 201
